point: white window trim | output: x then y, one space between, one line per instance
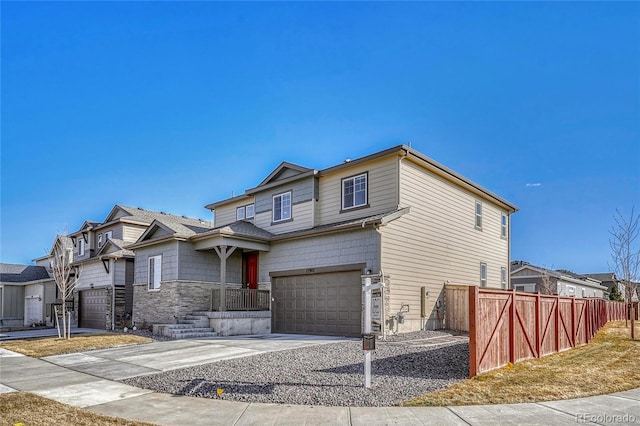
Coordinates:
273 206
253 211
478 216
503 225
81 247
503 278
100 240
483 280
240 213
108 235
366 191
157 263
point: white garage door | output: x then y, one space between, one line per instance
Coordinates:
325 304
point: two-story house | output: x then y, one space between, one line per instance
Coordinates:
106 266
309 235
530 278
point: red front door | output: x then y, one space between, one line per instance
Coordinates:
251 262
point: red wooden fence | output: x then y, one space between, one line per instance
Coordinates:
505 326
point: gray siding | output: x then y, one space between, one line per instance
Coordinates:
118 268
169 252
359 246
382 196
93 275
437 242
303 193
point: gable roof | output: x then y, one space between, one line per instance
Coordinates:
118 245
13 273
401 150
281 169
603 276
175 227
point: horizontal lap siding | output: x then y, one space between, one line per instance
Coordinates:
302 215
227 214
131 233
93 275
346 248
169 252
437 241
382 190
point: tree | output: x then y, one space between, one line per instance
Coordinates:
625 255
65 276
615 294
547 283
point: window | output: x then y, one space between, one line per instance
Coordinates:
354 192
99 240
240 213
503 278
571 290
282 207
584 292
478 215
503 225
155 272
250 211
483 275
108 235
81 246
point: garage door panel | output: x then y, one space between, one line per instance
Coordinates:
328 304
93 308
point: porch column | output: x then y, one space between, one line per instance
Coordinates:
223 253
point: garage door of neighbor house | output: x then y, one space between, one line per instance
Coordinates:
324 304
93 309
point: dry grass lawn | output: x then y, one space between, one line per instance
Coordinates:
48 346
30 409
609 363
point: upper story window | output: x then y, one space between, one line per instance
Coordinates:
155 272
483 275
503 278
478 215
245 212
282 207
354 191
108 235
99 240
81 246
503 225
250 211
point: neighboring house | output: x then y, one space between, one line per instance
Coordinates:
104 292
308 236
530 278
609 279
25 293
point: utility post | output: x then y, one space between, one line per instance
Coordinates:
368 339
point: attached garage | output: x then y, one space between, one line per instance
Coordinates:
318 303
93 309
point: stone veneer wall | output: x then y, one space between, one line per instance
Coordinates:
171 302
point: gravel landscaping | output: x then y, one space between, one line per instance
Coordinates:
403 367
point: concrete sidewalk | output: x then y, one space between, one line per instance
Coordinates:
80 389
43 332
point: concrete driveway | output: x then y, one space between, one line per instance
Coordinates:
130 361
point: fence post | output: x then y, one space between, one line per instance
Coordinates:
538 343
557 313
512 327
473 331
573 321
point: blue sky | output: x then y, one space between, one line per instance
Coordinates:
170 106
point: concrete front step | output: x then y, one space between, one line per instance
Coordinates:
183 331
